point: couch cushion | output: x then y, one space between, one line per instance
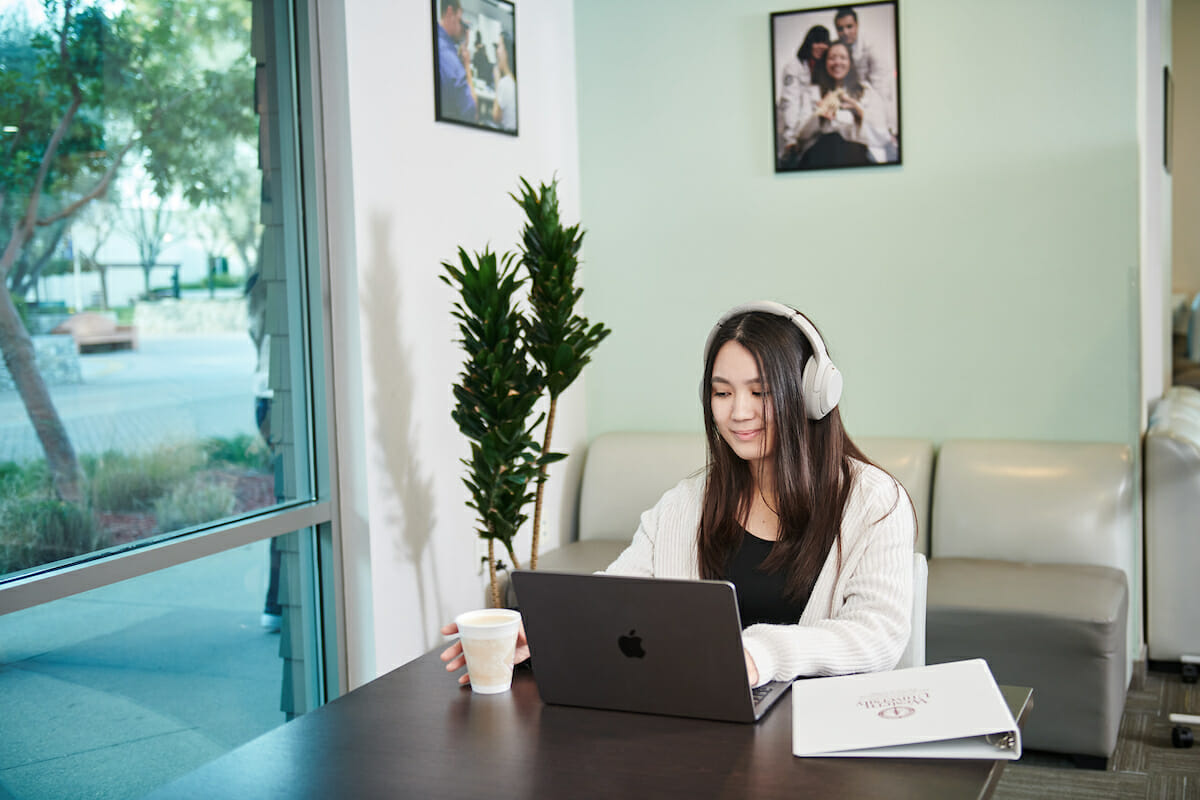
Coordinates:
1079 593
1046 502
626 473
589 555
1057 628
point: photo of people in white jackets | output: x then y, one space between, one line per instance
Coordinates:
836 87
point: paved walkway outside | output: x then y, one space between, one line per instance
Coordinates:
113 692
170 388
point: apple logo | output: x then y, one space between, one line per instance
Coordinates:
631 645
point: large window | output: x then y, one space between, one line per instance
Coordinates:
163 433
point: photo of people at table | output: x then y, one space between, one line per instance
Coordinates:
475 63
837 99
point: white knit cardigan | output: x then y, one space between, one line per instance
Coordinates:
858 617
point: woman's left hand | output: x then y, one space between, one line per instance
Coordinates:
751 668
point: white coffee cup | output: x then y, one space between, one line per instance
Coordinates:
489 641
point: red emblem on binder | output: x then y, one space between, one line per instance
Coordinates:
897 712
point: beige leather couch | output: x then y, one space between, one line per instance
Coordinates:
1030 548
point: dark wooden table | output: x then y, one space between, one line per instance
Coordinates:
414 733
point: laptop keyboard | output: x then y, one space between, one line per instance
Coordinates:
758 693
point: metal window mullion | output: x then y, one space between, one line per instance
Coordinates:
309 72
57 584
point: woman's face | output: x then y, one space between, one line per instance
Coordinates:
819 49
837 62
501 55
741 404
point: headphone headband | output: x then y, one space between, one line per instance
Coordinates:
821 382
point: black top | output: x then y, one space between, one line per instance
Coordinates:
761 595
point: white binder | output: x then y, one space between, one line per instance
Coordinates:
952 710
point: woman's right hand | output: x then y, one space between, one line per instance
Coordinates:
454 658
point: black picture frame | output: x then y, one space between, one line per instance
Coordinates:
476 91
831 121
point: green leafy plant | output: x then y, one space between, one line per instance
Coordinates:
512 360
21 479
132 482
193 502
494 398
244 450
559 340
38 529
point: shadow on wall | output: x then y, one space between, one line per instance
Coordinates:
391 402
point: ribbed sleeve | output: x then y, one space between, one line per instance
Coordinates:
858 618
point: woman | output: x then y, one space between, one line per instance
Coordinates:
817 540
844 119
504 110
798 75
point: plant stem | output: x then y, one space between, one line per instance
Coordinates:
541 485
492 573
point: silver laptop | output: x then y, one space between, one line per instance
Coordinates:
639 644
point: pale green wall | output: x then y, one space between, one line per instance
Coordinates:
985 288
1185 170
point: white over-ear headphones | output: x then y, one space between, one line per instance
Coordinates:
820 381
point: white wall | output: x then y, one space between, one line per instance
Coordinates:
418 190
1154 20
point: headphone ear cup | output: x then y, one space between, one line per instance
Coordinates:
821 384
833 387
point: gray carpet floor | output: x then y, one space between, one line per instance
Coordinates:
1144 765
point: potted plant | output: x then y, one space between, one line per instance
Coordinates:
559 340
495 395
511 361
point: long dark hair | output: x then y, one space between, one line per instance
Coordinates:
850 83
817 34
812 461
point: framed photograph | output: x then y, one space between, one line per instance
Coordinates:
475 64
835 72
